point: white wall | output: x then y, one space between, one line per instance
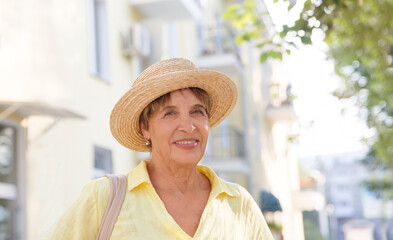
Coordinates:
44 57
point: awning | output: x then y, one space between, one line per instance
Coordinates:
26 109
269 203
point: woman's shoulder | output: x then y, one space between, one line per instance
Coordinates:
235 188
98 191
97 184
98 188
243 196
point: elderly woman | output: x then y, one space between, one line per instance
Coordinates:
169 111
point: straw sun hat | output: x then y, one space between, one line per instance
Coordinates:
163 77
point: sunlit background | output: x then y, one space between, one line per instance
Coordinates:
296 147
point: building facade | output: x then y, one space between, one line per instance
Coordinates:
354 211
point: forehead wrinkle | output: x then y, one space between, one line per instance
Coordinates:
167 107
201 106
198 105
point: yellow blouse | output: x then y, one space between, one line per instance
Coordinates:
230 213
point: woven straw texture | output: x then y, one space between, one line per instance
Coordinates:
163 77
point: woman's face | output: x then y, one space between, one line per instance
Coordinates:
178 131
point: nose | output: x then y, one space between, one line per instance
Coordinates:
186 124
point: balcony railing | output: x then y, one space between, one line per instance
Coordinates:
225 143
217 39
280 94
218 50
170 10
280 106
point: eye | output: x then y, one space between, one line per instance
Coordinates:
170 113
198 112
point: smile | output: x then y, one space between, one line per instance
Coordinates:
186 142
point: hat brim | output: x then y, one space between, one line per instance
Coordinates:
124 120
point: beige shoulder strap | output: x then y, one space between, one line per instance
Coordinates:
118 191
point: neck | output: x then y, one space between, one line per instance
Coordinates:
174 177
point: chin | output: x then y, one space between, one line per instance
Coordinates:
189 158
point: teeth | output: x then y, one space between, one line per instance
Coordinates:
186 142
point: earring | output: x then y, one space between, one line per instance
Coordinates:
148 142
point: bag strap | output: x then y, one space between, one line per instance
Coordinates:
116 198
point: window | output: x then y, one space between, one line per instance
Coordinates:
8 183
225 135
343 204
98 39
173 39
102 162
343 187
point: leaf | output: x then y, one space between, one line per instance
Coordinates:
247 37
239 40
231 12
264 43
305 40
254 34
277 54
292 3
285 30
249 4
263 57
270 54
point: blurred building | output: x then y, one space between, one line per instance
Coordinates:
353 209
64 64
313 202
358 229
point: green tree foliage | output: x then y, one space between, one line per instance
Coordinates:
250 27
359 34
360 39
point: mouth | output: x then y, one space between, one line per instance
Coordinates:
187 144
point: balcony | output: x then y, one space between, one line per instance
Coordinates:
218 50
280 106
169 10
225 151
